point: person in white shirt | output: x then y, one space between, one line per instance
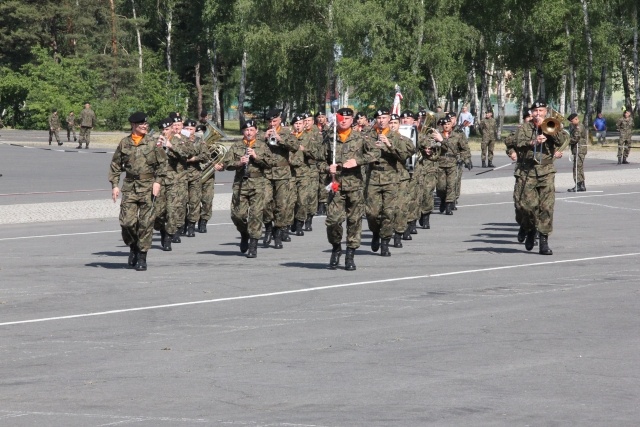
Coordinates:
465 115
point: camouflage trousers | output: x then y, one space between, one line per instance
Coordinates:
381 208
160 208
429 181
277 202
406 204
458 181
137 215
624 147
537 202
247 206
517 196
486 147
323 181
176 204
306 196
578 163
206 201
71 130
343 205
85 136
53 133
447 181
194 196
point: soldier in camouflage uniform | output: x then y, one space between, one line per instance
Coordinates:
249 158
278 213
579 151
71 126
160 205
321 130
346 199
624 126
208 186
460 162
305 169
54 126
388 152
536 153
454 149
87 122
408 175
518 173
488 130
145 166
194 172
429 149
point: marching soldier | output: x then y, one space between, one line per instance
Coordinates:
518 173
488 130
71 126
538 187
305 188
194 172
323 128
362 122
459 162
208 186
249 158
145 166
160 205
54 126
312 156
453 147
429 148
87 122
407 189
624 126
578 144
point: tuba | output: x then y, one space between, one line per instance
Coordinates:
217 151
552 125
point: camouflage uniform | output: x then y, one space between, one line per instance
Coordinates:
207 190
518 173
488 129
176 182
277 204
144 165
579 144
406 200
461 161
625 126
71 126
87 122
304 169
249 183
323 176
429 169
194 186
453 152
383 180
54 127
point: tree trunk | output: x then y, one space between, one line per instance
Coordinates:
523 98
541 93
488 105
563 94
625 80
602 90
168 53
138 36
215 114
434 86
636 81
198 88
500 75
472 90
243 82
572 72
114 50
589 82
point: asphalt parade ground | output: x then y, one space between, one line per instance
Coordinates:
462 326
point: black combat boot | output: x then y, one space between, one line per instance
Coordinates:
490 164
544 245
449 208
308 222
443 205
375 242
484 164
202 226
322 208
336 253
424 220
176 238
167 243
268 234
244 242
182 230
133 255
277 237
573 189
293 226
397 240
141 265
522 234
299 226
163 238
414 230
253 248
59 143
284 234
454 205
624 161
384 247
191 229
530 241
582 186
406 235
80 146
349 265
619 160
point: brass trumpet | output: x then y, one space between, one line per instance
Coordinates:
552 125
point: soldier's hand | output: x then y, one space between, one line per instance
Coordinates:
155 189
540 139
244 159
251 152
115 193
333 168
469 165
514 156
218 166
351 163
437 136
557 154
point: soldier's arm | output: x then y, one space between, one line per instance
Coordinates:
161 165
115 169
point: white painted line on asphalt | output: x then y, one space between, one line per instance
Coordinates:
85 234
601 205
315 289
557 198
54 192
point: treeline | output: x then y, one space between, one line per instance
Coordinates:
189 55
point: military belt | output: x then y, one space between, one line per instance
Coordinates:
450 155
141 176
310 162
379 167
530 163
254 175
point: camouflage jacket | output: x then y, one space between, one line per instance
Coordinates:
181 150
579 138
452 149
252 174
536 158
352 148
625 126
280 167
385 163
303 162
144 165
71 121
488 129
87 118
429 162
54 121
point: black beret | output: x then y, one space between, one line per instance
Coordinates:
381 112
204 113
201 128
306 115
165 123
489 112
442 122
138 117
175 117
54 110
249 124
526 114
190 123
395 117
274 113
449 116
345 112
538 104
422 113
407 113
320 113
360 114
297 118
572 116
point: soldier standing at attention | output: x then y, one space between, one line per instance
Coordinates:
145 166
488 130
536 152
54 126
248 158
71 126
87 122
578 150
624 126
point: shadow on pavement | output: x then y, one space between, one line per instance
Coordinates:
112 253
308 265
109 265
497 250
